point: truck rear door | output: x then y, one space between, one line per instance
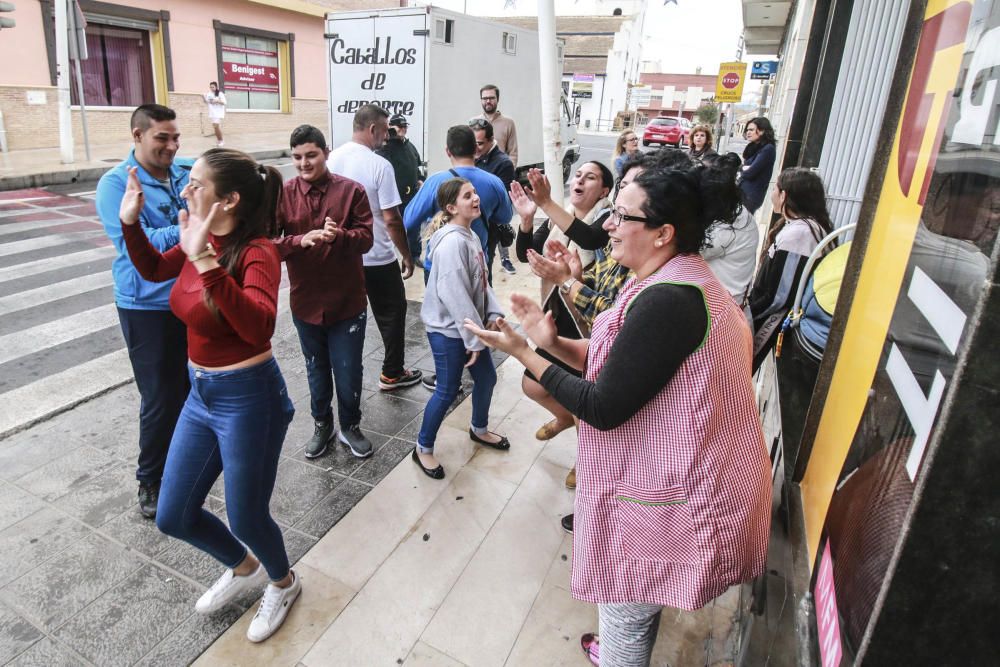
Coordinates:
376 58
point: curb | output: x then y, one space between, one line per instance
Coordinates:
68 176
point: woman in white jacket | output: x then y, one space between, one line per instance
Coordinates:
457 291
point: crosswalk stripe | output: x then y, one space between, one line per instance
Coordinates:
42 295
52 263
31 225
50 334
60 392
49 241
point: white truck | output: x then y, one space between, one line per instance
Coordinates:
428 64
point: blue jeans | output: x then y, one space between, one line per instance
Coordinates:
335 349
232 421
449 361
157 348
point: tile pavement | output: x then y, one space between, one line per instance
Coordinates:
85 580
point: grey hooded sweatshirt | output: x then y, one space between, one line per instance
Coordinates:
457 287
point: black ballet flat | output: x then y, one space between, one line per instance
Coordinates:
503 445
434 473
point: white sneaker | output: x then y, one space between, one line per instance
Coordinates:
273 609
228 588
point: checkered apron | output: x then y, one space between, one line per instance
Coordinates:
673 506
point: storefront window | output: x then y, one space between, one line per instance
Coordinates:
118 71
933 234
251 72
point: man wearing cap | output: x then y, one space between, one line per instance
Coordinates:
404 158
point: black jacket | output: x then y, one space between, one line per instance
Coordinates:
405 161
499 164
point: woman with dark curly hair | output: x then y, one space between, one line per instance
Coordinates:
673 479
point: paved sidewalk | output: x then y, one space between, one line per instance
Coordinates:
43 166
85 580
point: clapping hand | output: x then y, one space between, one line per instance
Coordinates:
551 269
556 250
133 200
538 325
325 234
194 230
504 338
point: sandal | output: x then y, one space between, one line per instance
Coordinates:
591 645
550 430
503 445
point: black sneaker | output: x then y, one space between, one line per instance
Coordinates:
430 382
356 441
322 434
567 523
407 379
149 495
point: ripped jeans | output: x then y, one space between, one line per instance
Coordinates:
336 350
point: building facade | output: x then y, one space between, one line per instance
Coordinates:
267 55
661 94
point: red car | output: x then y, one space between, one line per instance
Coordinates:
665 131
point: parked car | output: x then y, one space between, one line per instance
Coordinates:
665 131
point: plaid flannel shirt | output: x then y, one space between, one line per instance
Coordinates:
601 283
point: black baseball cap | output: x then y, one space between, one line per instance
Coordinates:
399 120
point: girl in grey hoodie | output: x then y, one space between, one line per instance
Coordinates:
457 290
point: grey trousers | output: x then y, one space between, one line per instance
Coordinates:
628 632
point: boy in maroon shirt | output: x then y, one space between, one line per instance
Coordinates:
325 223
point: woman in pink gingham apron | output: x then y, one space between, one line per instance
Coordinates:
673 478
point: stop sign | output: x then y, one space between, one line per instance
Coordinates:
731 80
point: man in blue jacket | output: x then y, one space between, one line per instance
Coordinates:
156 339
494 202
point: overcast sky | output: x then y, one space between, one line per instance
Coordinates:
682 36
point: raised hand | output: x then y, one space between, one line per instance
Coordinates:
537 324
522 202
541 189
194 230
133 200
504 338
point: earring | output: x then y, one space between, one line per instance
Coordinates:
226 207
659 244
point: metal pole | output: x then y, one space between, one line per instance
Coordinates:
548 62
79 85
62 84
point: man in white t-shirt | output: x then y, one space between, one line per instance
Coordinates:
384 277
216 101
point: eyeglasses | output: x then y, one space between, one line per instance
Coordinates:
488 99
478 123
631 139
618 216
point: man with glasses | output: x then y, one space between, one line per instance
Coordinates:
490 158
504 130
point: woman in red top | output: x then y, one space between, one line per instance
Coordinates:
238 410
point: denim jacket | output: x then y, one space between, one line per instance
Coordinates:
158 219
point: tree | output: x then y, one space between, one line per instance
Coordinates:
707 113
